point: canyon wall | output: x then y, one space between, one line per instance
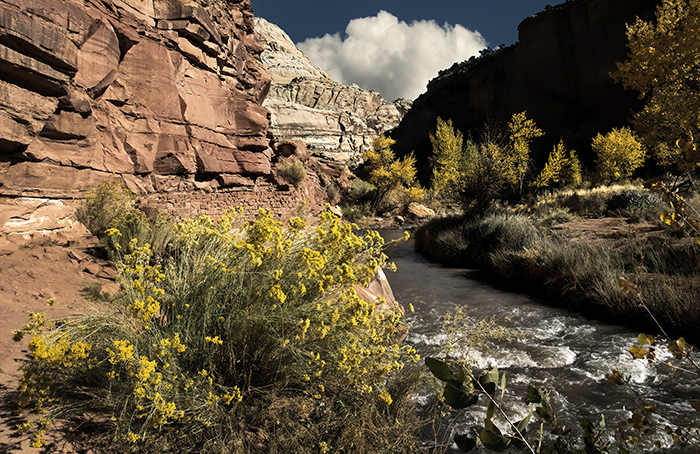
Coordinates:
165 95
335 121
558 73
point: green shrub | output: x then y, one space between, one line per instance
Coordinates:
361 190
354 213
104 204
132 227
635 202
249 340
294 172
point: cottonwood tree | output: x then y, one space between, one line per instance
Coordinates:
663 65
560 168
521 132
447 160
618 154
387 173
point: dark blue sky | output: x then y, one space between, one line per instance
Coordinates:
496 20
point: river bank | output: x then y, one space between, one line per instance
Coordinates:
576 265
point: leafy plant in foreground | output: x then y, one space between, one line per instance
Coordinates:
463 390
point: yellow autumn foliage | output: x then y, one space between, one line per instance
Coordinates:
618 154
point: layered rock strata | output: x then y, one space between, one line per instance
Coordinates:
558 73
165 95
334 120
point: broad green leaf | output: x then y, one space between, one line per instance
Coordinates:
493 439
533 395
490 410
489 380
457 397
489 426
543 413
642 339
461 375
522 425
440 369
464 443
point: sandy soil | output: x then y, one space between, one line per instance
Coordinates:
29 276
607 230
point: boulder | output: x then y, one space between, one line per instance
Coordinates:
379 292
419 210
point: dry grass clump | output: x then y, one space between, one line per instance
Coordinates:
293 172
631 201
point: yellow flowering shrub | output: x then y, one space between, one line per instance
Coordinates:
230 318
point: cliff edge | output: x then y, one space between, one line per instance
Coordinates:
558 73
335 121
165 95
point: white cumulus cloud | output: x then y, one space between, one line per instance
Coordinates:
390 56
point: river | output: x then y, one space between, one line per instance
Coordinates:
565 353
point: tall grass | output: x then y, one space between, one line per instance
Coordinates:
627 200
247 340
520 253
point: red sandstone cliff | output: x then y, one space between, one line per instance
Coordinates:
163 94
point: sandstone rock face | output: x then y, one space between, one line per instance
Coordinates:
335 120
558 73
165 95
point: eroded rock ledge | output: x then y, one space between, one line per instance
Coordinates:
335 121
165 95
